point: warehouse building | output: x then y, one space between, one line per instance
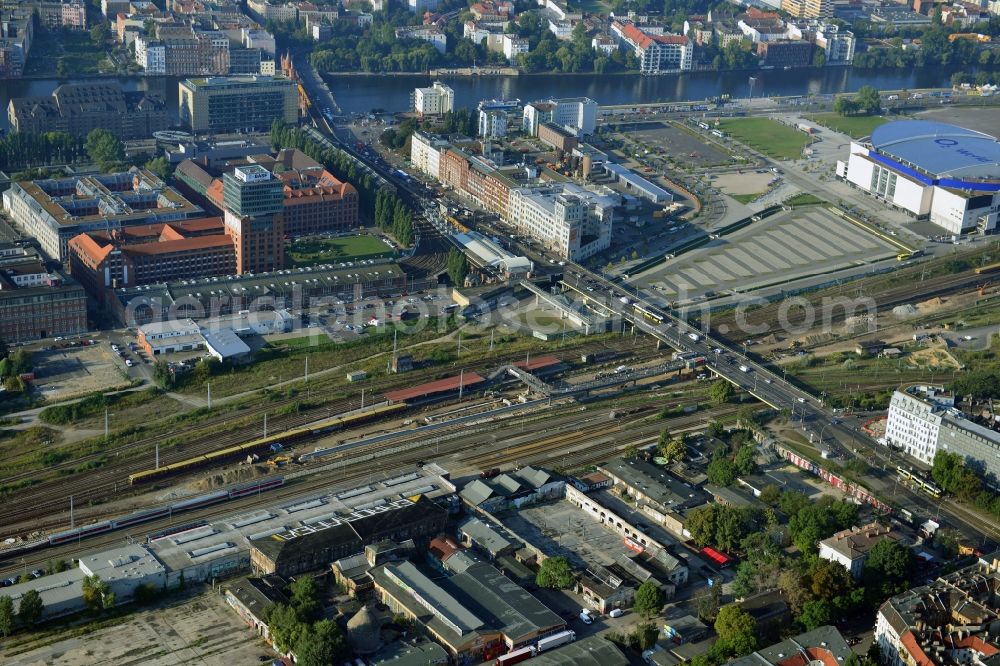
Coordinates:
923 420
79 108
55 210
930 170
478 614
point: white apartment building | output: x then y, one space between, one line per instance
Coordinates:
838 44
563 30
434 101
425 153
432 34
850 547
513 46
924 419
492 123
151 55
658 54
568 220
576 113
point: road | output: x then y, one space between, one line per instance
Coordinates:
722 358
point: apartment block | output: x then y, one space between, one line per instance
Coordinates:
923 420
568 220
577 113
657 54
951 620
850 547
218 105
16 33
425 153
436 100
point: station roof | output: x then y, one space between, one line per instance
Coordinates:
469 380
538 362
939 148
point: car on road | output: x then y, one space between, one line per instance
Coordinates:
616 612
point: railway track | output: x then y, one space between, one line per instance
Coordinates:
52 495
767 314
390 457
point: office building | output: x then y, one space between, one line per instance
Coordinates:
36 301
238 103
566 219
930 170
55 210
786 54
151 253
253 204
183 51
577 113
78 108
923 420
950 620
657 54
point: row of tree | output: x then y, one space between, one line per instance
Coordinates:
394 217
458 267
954 475
866 102
345 168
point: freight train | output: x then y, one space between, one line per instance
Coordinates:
266 443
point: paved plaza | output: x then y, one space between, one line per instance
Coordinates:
784 247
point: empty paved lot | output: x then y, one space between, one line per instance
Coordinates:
202 631
783 247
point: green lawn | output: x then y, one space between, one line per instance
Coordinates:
855 127
768 136
804 199
745 198
326 250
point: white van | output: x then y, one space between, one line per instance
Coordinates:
585 618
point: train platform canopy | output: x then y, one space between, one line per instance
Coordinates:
537 363
468 381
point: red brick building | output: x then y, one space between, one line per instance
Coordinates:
151 254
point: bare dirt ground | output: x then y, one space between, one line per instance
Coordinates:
748 182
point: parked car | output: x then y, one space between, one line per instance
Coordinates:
616 612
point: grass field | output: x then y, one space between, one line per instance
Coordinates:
745 198
309 252
853 126
768 136
804 199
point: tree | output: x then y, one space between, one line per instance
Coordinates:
105 149
844 106
6 615
868 100
721 392
745 461
648 600
715 429
30 609
888 568
709 603
795 592
828 580
304 598
97 594
458 267
100 33
323 644
555 573
674 450
160 166
819 58
285 628
162 376
736 628
770 494
816 613
721 471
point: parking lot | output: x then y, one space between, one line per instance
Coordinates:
785 246
682 145
202 630
74 371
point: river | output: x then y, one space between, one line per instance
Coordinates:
356 93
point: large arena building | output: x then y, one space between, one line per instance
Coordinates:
931 170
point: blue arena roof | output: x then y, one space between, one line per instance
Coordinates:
939 149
